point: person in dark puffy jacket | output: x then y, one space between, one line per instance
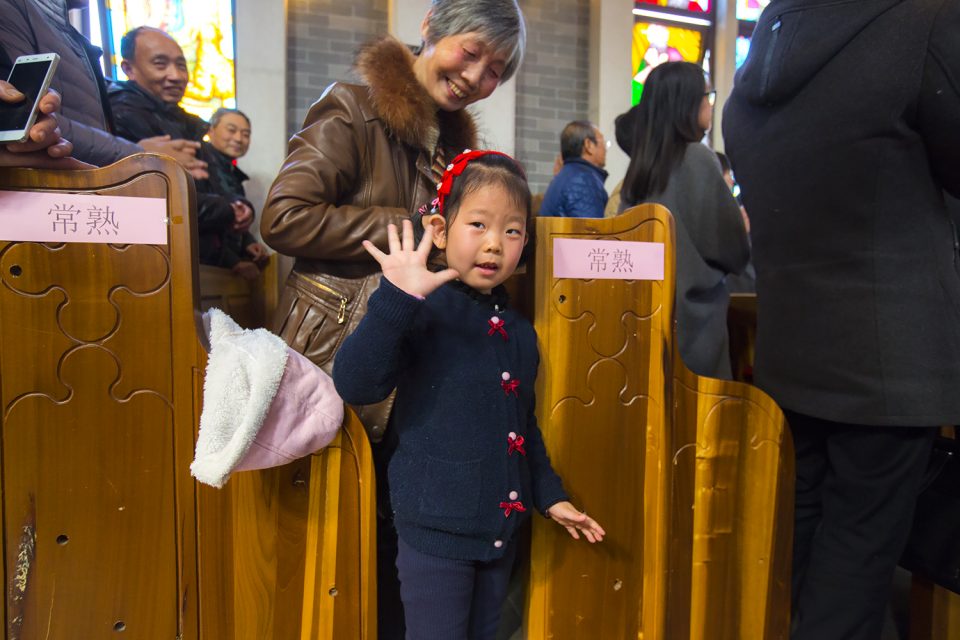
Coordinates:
577 191
843 129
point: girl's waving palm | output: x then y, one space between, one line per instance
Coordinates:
405 266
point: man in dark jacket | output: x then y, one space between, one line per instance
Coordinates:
224 214
577 190
148 104
29 27
844 132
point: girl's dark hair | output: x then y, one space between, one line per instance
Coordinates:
665 121
481 172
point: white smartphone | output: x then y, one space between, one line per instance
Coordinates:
31 76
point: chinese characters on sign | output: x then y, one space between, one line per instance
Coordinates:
82 217
67 218
618 261
607 259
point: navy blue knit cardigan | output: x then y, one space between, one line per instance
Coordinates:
470 462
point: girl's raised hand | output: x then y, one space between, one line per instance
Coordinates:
576 522
405 266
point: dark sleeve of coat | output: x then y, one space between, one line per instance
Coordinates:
718 231
369 364
197 127
546 484
94 145
214 212
131 121
939 106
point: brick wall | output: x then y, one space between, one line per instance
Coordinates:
552 84
322 40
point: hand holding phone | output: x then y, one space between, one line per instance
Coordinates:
45 134
31 76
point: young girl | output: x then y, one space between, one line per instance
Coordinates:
470 463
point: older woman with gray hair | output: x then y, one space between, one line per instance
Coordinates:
370 154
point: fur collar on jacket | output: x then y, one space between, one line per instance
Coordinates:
386 66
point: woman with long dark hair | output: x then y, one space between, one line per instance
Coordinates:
669 166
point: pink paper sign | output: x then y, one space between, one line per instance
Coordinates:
31 216
607 259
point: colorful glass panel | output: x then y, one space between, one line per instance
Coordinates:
743 48
204 30
700 6
654 44
750 9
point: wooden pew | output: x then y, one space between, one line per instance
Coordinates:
934 612
692 478
292 552
99 375
251 304
105 531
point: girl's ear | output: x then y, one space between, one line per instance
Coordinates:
439 225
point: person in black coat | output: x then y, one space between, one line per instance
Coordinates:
148 104
844 132
27 28
224 214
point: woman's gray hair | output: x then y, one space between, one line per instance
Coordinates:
499 22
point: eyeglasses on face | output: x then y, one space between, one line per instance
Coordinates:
606 142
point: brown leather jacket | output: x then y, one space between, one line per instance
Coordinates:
362 160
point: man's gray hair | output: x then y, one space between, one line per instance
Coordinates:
573 137
499 22
222 111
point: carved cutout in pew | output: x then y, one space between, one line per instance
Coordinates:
99 354
100 385
692 478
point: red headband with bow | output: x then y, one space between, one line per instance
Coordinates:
453 170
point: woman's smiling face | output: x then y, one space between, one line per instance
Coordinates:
458 70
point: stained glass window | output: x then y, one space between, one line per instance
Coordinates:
700 6
655 43
204 30
743 48
750 9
